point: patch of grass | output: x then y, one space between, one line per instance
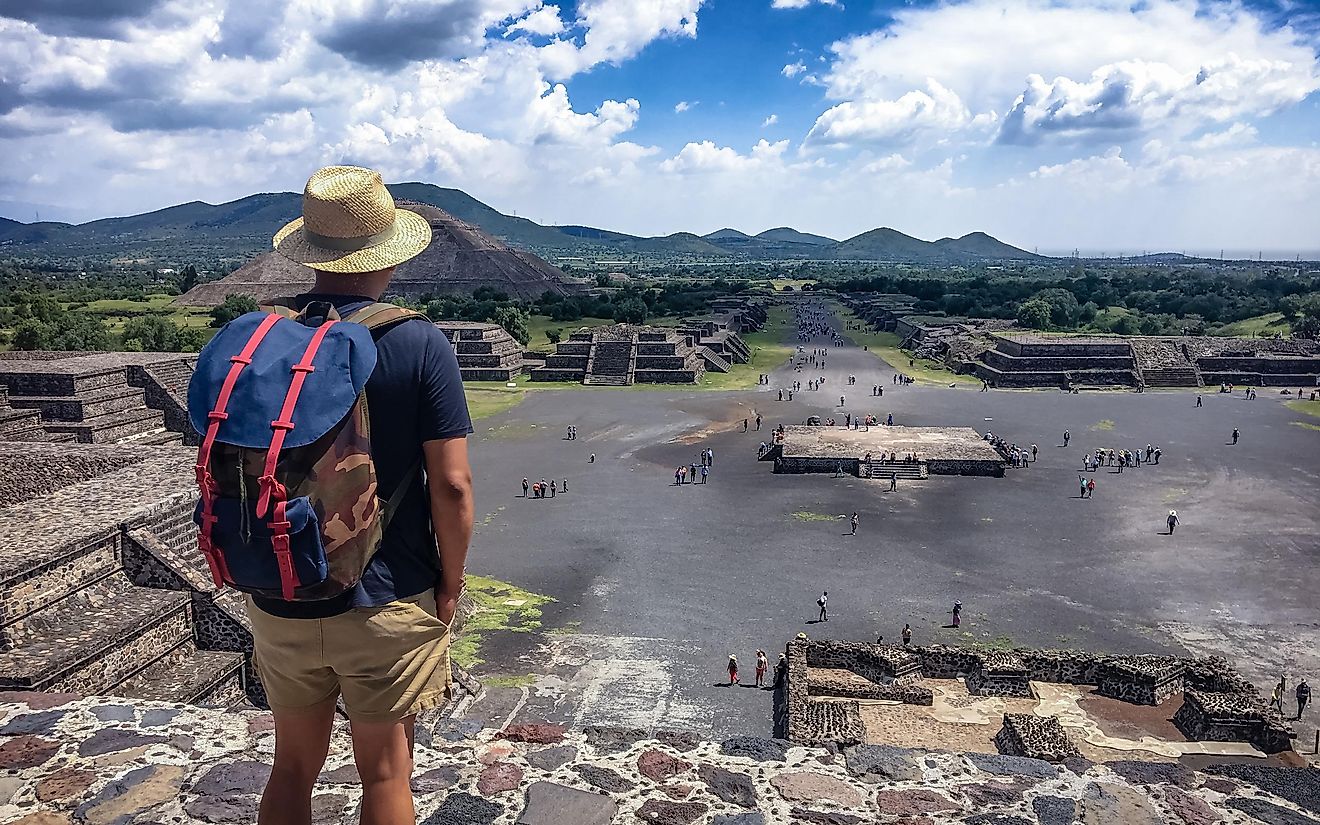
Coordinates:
1267 324
796 283
1306 425
538 325
807 515
483 402
1308 407
1104 425
509 681
494 605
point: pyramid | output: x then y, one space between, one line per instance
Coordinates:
459 259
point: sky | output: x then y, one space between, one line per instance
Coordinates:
1053 124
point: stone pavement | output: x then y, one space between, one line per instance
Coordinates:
106 761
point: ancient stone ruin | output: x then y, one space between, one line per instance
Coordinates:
460 258
486 352
881 452
623 354
820 699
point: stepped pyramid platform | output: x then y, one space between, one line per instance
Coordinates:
486 352
101 589
624 354
96 397
937 451
460 258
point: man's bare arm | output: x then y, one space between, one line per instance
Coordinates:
449 478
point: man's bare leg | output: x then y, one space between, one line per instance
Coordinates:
302 739
383 752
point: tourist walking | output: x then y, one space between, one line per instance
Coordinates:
893 481
762 665
744 425
733 669
705 470
1172 520
1303 694
525 487
1276 699
907 635
758 421
823 604
1235 435
1067 436
781 669
1198 400
957 614
853 522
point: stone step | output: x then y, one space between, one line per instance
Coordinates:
81 407
113 427
606 380
156 438
882 472
714 361
20 425
183 674
94 638
57 578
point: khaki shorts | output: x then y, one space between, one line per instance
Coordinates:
387 662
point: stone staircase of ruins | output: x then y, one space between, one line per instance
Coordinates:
902 469
21 424
611 364
1164 364
90 615
714 361
110 403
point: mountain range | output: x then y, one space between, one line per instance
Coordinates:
244 227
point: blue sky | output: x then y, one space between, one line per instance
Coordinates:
1098 124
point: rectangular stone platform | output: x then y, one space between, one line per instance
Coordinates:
942 450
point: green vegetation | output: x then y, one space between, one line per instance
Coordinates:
807 515
494 605
483 402
539 325
1308 407
1267 325
1103 425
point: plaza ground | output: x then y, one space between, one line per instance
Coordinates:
654 585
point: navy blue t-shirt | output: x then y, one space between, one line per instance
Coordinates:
415 394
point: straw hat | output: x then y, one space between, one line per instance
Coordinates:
350 225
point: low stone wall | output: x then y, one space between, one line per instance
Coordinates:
687 376
1232 717
1010 363
959 467
1139 680
1119 348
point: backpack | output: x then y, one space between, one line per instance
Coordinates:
288 503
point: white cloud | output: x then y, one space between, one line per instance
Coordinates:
891 121
793 69
682 106
800 4
706 157
1173 65
544 21
771 120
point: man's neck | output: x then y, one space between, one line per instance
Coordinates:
366 284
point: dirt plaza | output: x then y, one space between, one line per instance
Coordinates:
654 584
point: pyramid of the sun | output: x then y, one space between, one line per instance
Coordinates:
459 259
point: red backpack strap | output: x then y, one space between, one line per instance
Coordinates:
272 492
205 481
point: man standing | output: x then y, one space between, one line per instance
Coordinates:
1172 520
823 604
1235 435
384 644
1067 436
1303 697
1198 400
907 635
893 481
853 522
526 486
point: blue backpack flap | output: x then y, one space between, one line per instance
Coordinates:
343 364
